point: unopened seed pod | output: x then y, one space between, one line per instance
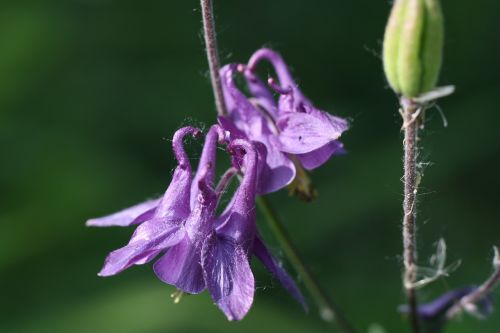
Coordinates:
413 46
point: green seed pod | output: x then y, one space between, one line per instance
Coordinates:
413 46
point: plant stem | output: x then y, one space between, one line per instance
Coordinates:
484 289
328 310
212 54
469 302
411 179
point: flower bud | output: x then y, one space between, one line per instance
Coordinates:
413 46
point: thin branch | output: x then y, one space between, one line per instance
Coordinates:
468 302
212 54
328 310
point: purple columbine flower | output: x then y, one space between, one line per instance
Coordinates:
305 131
201 250
226 252
181 266
434 314
294 133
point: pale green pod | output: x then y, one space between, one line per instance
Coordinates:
413 43
391 42
434 40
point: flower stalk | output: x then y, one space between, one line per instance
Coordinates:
469 302
212 54
327 308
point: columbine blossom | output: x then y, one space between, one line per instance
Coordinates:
293 131
200 250
270 142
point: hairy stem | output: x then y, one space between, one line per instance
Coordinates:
410 115
212 54
484 289
328 310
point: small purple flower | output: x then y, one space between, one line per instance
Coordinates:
305 131
201 250
293 131
434 314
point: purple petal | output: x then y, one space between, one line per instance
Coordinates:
181 267
241 111
147 241
147 215
304 132
437 309
317 157
246 121
443 303
228 276
240 222
284 76
148 258
208 156
262 253
261 94
129 216
278 170
175 204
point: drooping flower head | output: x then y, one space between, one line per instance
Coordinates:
304 130
293 131
200 250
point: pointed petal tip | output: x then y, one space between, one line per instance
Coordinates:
107 270
96 222
272 265
102 273
90 223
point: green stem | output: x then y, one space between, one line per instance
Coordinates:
327 309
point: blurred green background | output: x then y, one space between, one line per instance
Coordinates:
92 90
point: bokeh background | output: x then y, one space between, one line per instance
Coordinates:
92 90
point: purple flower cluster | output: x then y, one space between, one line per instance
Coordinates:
199 249
292 130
